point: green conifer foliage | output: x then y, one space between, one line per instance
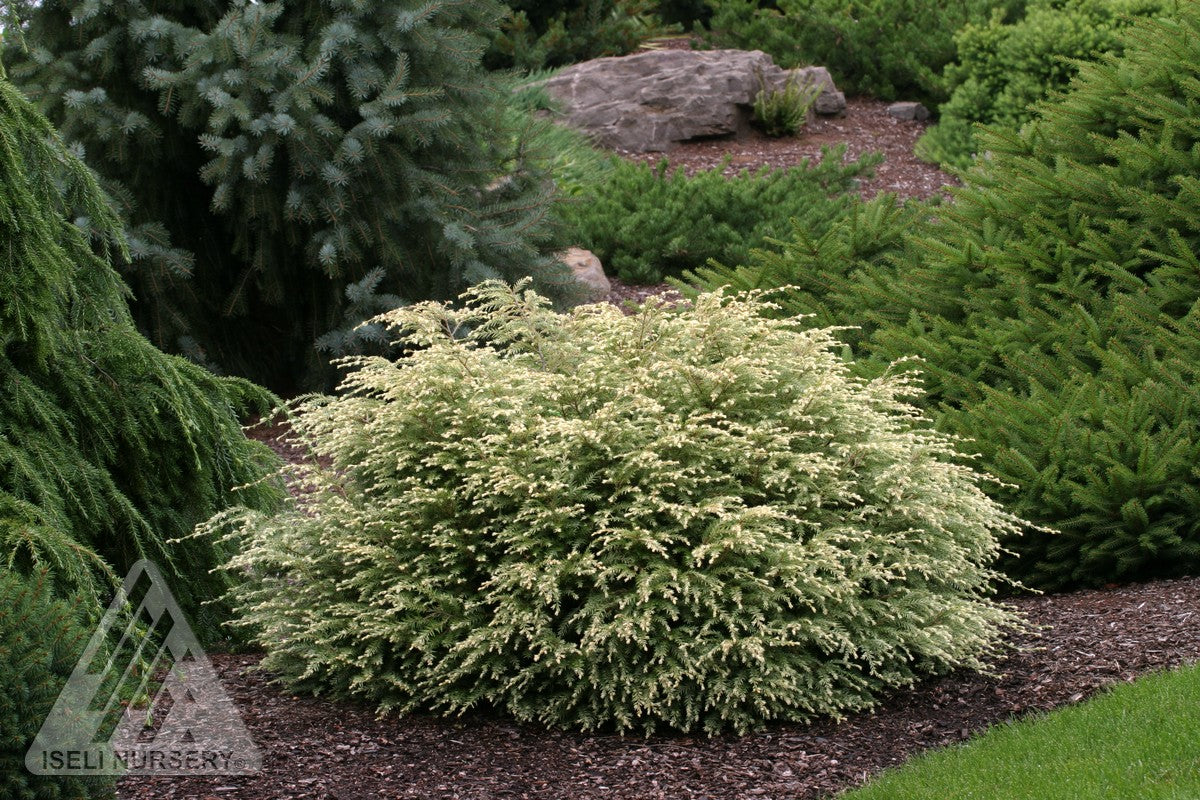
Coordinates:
1003 68
1072 261
694 519
1055 303
40 640
891 49
108 447
269 155
647 223
538 33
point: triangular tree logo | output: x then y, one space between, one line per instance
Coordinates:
143 698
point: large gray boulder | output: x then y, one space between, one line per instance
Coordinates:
652 101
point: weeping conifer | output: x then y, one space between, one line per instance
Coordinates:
108 447
268 156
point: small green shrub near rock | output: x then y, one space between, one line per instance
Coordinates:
689 518
1004 67
646 223
567 155
40 640
784 112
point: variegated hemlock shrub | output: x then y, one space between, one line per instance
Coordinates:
688 518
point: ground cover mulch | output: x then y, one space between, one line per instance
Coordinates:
322 750
865 127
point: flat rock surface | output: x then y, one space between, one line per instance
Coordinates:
651 101
321 750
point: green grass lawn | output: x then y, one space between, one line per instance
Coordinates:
1141 740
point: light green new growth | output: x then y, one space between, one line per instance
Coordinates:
693 519
784 112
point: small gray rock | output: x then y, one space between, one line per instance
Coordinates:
909 112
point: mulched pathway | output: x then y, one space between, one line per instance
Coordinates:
320 750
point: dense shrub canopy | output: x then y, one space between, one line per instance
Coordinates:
1055 303
694 519
538 34
892 49
645 223
1003 68
267 156
108 447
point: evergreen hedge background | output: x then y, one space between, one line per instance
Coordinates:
1003 67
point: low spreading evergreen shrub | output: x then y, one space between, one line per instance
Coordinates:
645 222
831 275
108 447
688 518
886 48
1003 68
1054 304
40 640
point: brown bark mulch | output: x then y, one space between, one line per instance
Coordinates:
321 750
865 127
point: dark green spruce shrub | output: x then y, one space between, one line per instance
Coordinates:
266 156
892 49
537 34
1004 68
41 638
690 14
686 518
108 447
645 223
1055 305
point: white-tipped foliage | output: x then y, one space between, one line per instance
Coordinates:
692 519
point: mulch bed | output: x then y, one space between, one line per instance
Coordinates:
865 127
318 749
